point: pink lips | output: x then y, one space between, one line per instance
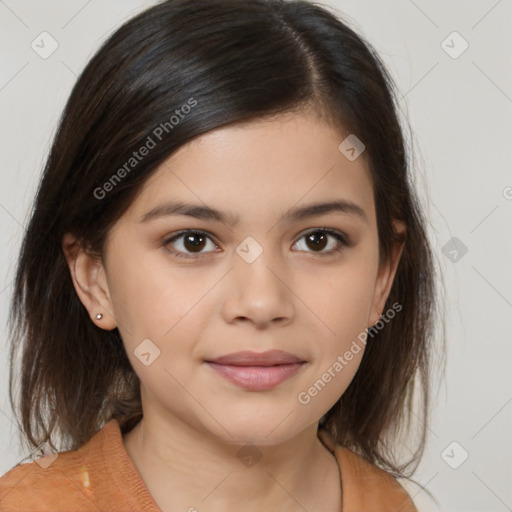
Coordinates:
257 371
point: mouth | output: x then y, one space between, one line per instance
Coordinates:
257 371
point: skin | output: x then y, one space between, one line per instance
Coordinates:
295 296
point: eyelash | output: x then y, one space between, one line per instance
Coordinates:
340 237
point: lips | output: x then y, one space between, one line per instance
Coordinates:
247 358
257 371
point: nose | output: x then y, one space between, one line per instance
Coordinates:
258 293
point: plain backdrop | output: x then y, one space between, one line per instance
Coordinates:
452 63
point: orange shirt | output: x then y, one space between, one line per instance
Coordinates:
100 476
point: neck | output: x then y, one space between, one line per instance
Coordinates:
187 469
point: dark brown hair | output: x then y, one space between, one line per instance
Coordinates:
238 61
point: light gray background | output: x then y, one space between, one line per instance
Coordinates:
460 112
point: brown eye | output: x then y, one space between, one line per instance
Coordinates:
194 242
319 239
189 243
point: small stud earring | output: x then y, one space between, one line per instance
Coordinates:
99 316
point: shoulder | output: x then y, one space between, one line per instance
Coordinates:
370 485
56 482
366 486
41 485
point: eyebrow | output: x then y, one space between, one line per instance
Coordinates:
295 214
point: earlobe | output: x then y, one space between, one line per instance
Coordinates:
89 280
386 276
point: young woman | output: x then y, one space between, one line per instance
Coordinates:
225 295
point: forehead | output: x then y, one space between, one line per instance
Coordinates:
260 169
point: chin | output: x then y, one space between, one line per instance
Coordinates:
259 431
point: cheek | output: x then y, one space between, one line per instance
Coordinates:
343 307
151 299
162 313
331 378
343 303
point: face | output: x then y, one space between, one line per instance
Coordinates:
245 264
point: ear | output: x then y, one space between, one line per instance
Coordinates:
89 279
385 276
